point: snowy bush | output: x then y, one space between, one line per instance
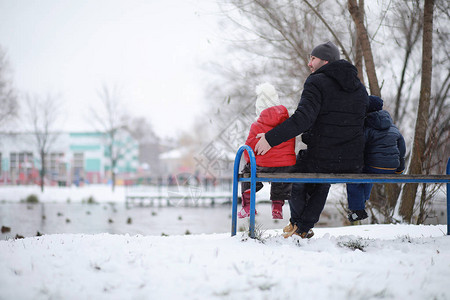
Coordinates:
32 199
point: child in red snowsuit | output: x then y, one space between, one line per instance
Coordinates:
279 159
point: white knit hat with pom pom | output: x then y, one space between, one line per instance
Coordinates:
267 97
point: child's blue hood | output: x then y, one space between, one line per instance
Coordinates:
380 120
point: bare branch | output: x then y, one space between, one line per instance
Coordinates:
111 119
42 115
9 105
347 57
363 38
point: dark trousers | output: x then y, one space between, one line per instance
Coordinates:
359 193
307 199
306 204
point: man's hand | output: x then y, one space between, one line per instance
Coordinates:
262 146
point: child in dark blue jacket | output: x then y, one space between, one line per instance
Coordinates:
384 153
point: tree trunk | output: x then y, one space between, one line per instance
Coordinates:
359 60
422 206
42 172
418 149
359 53
113 181
358 18
113 173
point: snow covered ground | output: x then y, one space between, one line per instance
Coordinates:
353 262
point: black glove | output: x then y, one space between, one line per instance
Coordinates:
306 137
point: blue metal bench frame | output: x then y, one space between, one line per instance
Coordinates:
319 178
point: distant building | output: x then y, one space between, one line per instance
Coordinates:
74 158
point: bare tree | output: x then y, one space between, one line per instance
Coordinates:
357 14
405 32
8 98
418 151
438 135
42 114
437 148
407 36
359 59
271 41
330 28
111 120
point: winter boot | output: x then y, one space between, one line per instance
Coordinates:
295 231
245 211
356 215
277 209
288 228
305 235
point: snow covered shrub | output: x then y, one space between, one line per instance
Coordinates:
32 199
259 233
405 238
358 244
91 200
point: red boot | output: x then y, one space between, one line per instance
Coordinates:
245 211
277 209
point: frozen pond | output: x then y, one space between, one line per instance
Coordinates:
66 211
115 218
52 218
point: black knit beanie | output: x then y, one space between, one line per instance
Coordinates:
327 51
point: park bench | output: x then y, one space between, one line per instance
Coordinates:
253 177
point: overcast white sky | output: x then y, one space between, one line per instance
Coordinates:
152 50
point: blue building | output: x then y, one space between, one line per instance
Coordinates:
72 158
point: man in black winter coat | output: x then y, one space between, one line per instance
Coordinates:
331 112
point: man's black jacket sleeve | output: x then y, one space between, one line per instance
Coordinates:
303 118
